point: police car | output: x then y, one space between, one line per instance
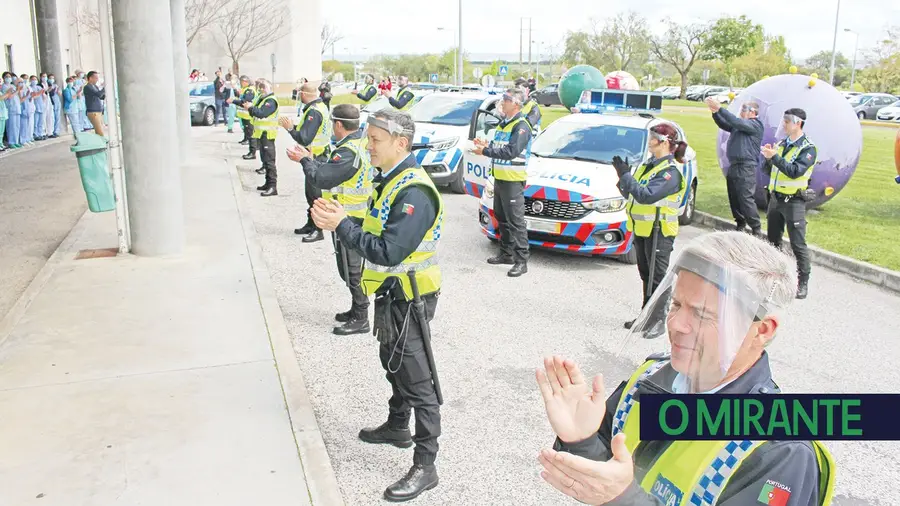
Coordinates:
443 121
572 203
382 102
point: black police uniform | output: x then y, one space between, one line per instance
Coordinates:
662 185
509 196
790 463
304 137
403 98
247 126
790 210
742 151
342 164
407 366
534 116
265 108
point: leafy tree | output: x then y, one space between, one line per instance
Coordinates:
680 47
883 75
579 49
623 43
731 38
820 63
771 58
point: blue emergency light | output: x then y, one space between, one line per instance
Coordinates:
604 101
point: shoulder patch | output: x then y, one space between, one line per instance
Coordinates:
336 157
667 175
774 494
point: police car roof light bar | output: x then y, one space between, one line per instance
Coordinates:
605 101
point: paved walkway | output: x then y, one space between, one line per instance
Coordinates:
129 380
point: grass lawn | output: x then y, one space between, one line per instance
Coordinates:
862 222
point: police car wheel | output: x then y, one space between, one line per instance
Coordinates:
458 184
209 116
629 258
687 217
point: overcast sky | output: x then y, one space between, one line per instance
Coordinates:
491 27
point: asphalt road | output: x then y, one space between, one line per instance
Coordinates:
41 199
491 331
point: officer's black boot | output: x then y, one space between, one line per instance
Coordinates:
384 434
420 478
305 230
250 156
263 187
630 324
802 288
271 191
501 259
315 235
740 226
358 324
757 232
518 269
344 317
261 170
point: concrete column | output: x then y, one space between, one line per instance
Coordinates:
49 52
180 57
144 68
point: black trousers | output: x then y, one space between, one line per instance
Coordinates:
741 185
248 134
509 208
790 211
359 301
312 193
267 155
409 374
644 248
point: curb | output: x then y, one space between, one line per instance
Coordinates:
29 149
8 323
878 276
321 481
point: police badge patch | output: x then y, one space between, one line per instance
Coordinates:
666 491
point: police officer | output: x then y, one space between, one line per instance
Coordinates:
345 175
314 133
729 292
367 94
742 151
790 166
399 234
509 153
248 96
264 116
404 97
654 196
531 110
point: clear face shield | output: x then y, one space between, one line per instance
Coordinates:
787 119
701 314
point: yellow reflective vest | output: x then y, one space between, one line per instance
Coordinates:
695 472
424 259
269 124
412 98
642 216
781 183
323 135
527 108
241 112
354 193
363 92
516 169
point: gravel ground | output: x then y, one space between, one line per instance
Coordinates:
491 331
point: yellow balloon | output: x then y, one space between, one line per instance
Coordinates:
812 82
814 75
731 96
793 69
765 77
828 191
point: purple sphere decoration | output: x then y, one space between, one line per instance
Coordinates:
830 124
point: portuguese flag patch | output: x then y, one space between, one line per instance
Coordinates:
774 494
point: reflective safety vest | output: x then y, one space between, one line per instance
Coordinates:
526 110
516 169
781 183
354 193
412 98
323 135
363 92
642 216
241 112
695 472
267 124
424 259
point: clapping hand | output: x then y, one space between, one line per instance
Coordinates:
285 122
327 214
589 481
575 409
768 151
298 153
713 104
620 165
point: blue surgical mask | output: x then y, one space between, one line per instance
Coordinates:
44 79
7 80
33 82
52 81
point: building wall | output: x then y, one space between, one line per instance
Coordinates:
17 30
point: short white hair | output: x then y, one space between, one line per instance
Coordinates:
771 273
265 85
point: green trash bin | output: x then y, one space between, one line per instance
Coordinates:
90 150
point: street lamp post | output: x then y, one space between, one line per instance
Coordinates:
855 47
459 58
837 17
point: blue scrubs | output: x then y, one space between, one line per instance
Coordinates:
38 130
13 109
57 110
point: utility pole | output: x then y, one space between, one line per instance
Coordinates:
459 53
837 18
521 20
529 45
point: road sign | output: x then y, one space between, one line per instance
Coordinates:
434 78
488 81
705 75
273 59
478 72
504 69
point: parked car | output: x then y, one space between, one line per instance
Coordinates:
868 105
548 95
890 113
669 92
723 97
203 103
850 94
696 91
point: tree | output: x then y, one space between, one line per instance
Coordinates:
771 58
248 25
579 48
86 18
330 37
623 42
198 15
730 38
883 75
820 63
680 47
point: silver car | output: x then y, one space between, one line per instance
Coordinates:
867 106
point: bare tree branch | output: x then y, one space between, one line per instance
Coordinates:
247 25
680 47
199 14
87 18
330 36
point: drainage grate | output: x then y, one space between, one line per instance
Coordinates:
97 253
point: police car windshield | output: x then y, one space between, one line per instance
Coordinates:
445 110
202 90
377 104
596 143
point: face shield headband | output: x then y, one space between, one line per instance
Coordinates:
391 126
